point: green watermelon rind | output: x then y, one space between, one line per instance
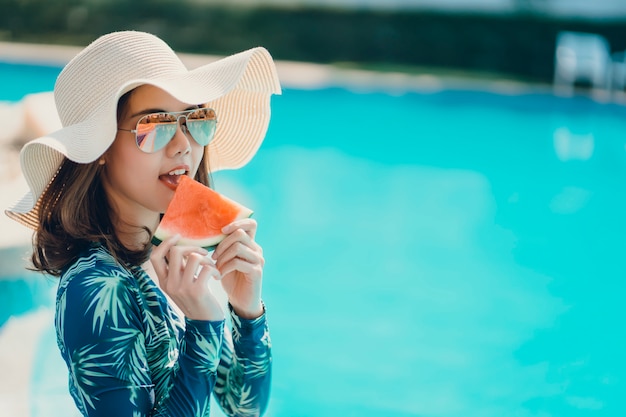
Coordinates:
208 243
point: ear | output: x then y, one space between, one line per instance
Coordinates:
103 158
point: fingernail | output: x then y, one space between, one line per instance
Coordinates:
225 229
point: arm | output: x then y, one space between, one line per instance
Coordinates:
195 375
101 333
244 374
243 388
245 370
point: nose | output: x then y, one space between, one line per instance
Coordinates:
180 143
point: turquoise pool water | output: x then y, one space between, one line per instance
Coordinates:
457 253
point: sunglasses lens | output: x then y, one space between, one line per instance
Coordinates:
152 136
201 125
202 131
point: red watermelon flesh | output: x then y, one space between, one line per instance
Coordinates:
198 214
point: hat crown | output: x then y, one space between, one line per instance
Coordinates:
103 68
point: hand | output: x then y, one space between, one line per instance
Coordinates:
240 261
183 273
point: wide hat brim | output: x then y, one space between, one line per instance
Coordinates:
238 87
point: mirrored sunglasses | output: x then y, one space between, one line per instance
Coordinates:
156 130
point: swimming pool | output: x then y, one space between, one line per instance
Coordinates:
428 254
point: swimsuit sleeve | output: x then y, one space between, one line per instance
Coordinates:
101 331
194 379
244 373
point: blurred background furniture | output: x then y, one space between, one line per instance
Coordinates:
581 59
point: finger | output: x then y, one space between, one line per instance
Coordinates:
207 272
174 267
178 257
196 263
203 276
236 236
159 253
165 245
241 251
252 270
190 268
162 251
248 225
186 251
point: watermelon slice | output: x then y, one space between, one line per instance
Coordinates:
198 214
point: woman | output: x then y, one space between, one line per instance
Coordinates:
138 326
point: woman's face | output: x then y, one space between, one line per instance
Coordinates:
140 185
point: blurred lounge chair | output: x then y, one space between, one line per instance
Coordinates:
581 58
33 116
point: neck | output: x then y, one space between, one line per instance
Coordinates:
135 233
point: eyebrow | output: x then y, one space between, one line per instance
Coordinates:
156 110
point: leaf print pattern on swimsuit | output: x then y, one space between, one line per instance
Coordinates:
129 354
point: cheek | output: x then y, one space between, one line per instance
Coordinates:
128 167
123 145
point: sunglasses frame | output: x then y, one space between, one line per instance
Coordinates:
177 115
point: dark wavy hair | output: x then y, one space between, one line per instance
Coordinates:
74 213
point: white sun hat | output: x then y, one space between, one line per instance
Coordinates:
87 91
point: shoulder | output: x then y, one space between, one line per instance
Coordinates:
96 279
93 257
95 267
97 286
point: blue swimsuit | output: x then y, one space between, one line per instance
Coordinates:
129 354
